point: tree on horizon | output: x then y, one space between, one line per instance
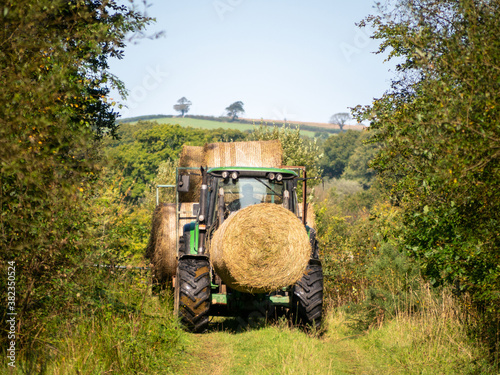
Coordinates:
340 119
235 109
182 106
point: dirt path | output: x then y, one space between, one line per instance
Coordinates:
207 354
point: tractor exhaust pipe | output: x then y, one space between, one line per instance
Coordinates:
304 197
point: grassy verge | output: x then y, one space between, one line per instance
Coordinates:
433 340
125 330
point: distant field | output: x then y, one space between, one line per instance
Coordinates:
323 125
214 124
203 124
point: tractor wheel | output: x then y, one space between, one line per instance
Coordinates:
307 299
192 293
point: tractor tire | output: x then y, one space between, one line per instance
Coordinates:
307 299
192 297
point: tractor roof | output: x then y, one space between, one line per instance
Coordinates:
248 171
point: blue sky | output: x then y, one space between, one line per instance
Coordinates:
299 60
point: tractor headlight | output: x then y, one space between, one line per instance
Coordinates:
271 176
225 174
279 177
234 175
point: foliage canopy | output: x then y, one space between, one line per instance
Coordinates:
53 112
440 135
337 150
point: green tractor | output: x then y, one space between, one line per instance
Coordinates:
199 291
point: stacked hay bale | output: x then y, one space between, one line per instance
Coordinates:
260 249
243 154
191 156
162 246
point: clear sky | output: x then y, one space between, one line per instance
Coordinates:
294 59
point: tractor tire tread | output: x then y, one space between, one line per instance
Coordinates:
194 294
307 300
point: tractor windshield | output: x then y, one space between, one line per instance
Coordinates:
246 191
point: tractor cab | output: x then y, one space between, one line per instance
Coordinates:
234 188
226 190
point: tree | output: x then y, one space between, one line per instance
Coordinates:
340 119
234 110
182 106
337 151
440 138
53 113
358 165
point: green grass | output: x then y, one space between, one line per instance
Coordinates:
134 332
272 349
209 124
204 124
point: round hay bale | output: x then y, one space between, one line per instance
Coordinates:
162 246
260 248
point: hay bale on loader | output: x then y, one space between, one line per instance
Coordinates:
260 249
243 154
162 246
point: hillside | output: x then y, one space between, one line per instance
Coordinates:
322 125
310 129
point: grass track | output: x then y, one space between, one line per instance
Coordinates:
275 350
404 346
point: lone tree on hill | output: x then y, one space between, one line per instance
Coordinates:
340 119
182 106
235 109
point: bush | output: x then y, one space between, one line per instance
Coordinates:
439 129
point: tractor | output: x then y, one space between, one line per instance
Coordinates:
199 292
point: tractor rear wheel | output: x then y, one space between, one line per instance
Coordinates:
193 293
307 299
